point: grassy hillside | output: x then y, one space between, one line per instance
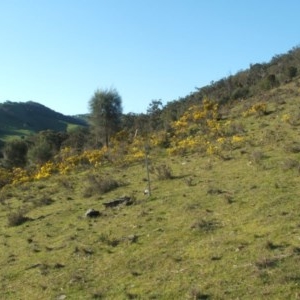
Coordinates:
245 84
22 119
223 225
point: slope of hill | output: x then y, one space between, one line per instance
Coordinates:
24 118
257 79
224 225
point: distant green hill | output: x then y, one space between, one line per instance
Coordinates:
25 118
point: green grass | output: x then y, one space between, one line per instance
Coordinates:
13 134
216 229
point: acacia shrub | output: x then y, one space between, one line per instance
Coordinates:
14 153
99 184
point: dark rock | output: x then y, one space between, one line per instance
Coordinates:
132 238
58 266
91 213
123 200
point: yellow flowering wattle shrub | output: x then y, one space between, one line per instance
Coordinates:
45 170
237 139
258 108
212 149
6 177
196 114
181 125
120 136
286 118
135 155
135 150
199 129
198 125
221 140
95 157
189 144
214 127
20 175
159 139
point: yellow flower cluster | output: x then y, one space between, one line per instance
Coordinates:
198 124
185 145
20 175
6 177
237 139
199 129
286 118
221 140
214 126
95 157
45 171
258 108
212 149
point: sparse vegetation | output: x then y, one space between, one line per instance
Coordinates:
256 156
98 185
17 218
206 225
163 172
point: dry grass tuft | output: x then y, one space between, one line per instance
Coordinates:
97 184
163 172
17 218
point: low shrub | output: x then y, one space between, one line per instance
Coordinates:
257 156
97 184
265 263
43 201
17 218
189 181
163 172
289 164
292 147
206 225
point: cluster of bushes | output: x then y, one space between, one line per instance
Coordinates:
41 147
200 128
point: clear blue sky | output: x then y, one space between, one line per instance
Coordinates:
58 52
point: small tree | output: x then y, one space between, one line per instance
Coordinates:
106 112
44 145
14 153
40 152
78 138
292 71
154 111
